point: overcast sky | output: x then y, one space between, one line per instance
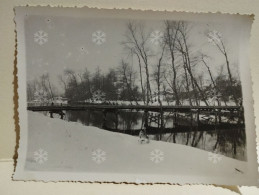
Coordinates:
70 44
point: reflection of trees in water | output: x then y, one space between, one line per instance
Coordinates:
130 120
230 142
126 120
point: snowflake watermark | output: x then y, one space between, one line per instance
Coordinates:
98 37
98 156
40 37
157 156
156 37
98 96
214 157
40 156
214 37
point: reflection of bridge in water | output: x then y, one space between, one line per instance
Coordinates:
155 115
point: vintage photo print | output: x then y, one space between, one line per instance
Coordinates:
134 96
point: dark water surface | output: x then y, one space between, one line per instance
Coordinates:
229 141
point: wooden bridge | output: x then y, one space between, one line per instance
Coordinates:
192 112
165 108
217 111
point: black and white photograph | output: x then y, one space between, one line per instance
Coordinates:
134 96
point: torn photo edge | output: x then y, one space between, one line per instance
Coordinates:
249 178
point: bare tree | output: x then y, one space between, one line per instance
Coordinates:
72 76
31 88
186 80
72 85
45 85
210 75
158 74
184 48
216 39
170 38
127 75
62 81
136 42
140 75
49 85
87 78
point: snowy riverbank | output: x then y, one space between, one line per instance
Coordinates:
71 146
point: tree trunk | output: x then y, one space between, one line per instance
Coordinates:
192 77
141 79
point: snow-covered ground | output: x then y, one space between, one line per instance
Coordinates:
73 147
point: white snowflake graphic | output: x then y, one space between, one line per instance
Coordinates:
157 156
99 156
214 157
214 37
40 156
99 37
156 37
98 96
40 37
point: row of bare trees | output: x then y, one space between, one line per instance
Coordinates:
167 68
173 64
40 89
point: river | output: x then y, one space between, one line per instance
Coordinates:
229 141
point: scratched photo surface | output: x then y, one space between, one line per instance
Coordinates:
141 96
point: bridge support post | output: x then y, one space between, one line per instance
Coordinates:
145 119
161 120
219 115
191 117
116 119
175 118
198 117
51 114
216 117
61 114
104 118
